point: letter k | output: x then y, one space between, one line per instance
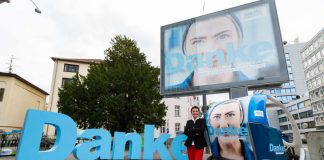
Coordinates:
150 146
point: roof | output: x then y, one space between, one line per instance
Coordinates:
23 80
88 61
311 41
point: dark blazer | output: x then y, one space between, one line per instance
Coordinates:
195 132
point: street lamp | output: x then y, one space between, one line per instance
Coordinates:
37 10
1 1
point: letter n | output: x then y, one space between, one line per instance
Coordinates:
135 146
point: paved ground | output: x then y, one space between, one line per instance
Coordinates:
156 156
72 158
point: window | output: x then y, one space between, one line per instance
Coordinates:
290 76
319 107
291 83
288 62
294 107
289 69
287 56
177 127
1 94
314 83
316 70
284 98
306 114
66 81
314 59
307 103
71 68
295 116
301 105
177 111
309 62
319 81
163 129
311 124
282 119
318 55
309 84
287 90
283 91
280 112
293 90
284 127
321 67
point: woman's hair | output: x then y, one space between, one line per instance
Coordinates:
233 19
228 102
195 107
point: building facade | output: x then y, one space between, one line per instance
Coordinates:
313 62
16 96
64 70
302 112
293 94
178 112
178 109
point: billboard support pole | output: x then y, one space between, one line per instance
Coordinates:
204 107
204 110
238 92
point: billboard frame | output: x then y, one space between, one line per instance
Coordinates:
225 87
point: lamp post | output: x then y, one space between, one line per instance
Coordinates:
1 1
37 10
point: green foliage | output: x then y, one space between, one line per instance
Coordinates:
119 94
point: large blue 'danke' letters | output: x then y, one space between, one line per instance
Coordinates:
100 139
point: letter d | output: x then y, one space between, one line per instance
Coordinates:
32 134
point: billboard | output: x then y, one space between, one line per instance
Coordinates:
241 124
237 47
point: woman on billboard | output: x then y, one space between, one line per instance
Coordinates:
221 119
209 41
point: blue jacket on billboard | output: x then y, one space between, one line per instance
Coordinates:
257 109
183 85
248 154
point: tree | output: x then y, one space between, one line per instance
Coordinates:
119 94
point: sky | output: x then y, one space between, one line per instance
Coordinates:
83 29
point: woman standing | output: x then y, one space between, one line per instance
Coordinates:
195 129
